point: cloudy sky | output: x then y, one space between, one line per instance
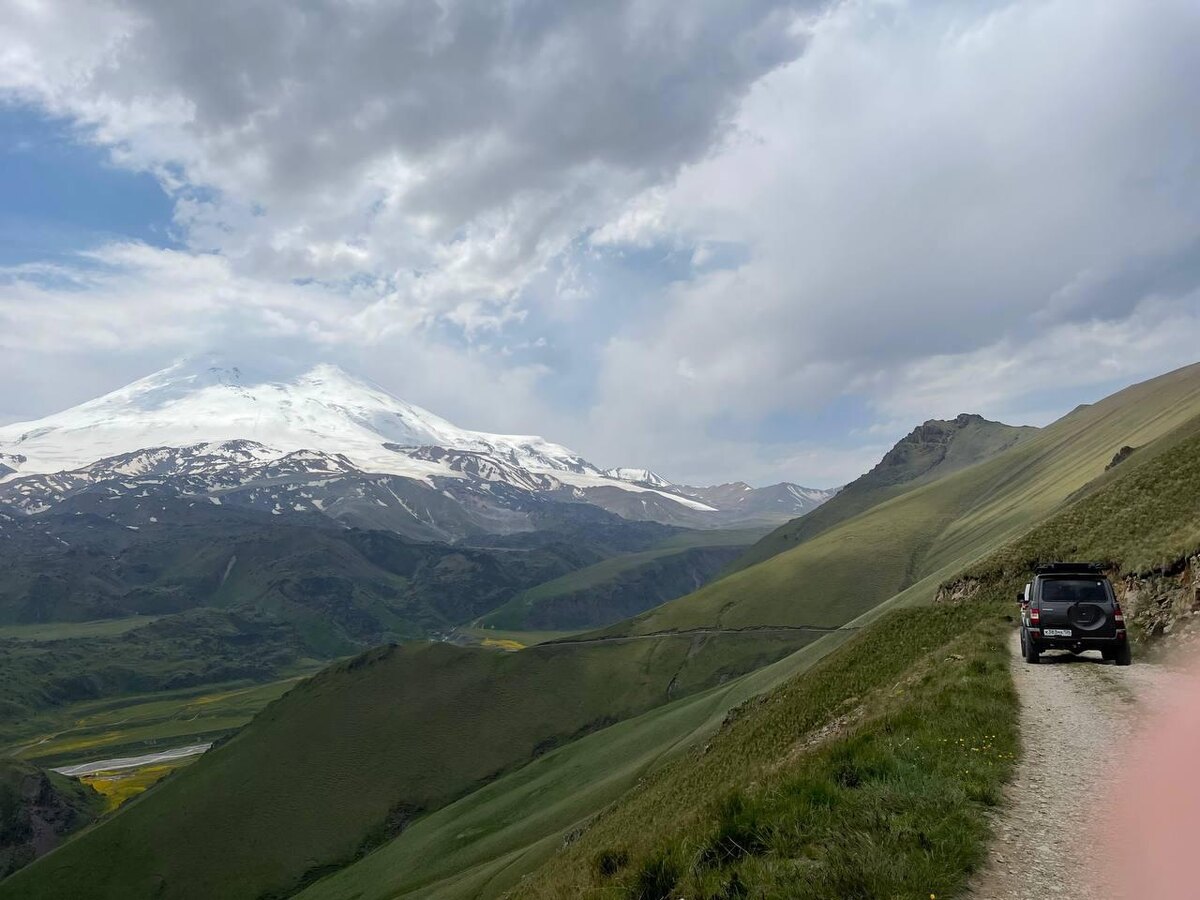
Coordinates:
753 240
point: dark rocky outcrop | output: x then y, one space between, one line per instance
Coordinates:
1164 603
1120 456
38 809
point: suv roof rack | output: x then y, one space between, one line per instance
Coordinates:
1057 568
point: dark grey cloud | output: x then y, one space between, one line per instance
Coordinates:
466 143
487 98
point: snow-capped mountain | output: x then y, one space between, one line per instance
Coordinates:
205 401
321 440
637 476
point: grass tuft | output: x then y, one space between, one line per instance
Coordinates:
739 833
610 862
656 879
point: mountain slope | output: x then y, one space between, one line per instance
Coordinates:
1140 521
246 594
846 570
476 495
113 556
931 451
347 759
622 586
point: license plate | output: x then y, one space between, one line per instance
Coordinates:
1056 632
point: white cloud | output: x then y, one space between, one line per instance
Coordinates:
926 196
999 379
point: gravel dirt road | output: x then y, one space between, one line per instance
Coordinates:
1078 713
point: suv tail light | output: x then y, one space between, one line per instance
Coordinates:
1118 616
1035 616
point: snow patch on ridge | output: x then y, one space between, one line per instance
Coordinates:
638 476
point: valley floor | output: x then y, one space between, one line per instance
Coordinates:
140 724
1078 718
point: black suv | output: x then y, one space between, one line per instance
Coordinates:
1071 606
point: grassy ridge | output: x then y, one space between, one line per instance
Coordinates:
1140 518
930 452
893 804
942 526
481 844
612 590
348 758
908 779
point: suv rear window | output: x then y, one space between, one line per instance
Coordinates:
1074 590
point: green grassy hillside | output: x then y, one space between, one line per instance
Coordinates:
345 760
624 585
1141 518
857 564
931 451
209 594
871 774
481 844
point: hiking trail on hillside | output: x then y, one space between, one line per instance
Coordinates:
1077 714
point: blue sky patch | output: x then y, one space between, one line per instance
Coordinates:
62 195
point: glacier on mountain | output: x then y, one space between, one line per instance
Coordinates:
323 408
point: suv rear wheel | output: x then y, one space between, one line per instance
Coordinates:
1028 650
1123 655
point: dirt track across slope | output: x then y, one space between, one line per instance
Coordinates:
1077 716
